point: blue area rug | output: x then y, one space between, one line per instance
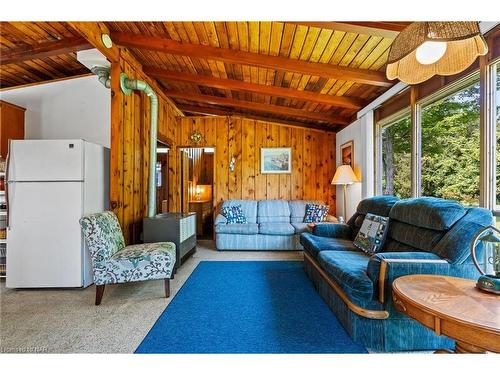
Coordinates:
248 307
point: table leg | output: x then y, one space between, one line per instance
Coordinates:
462 348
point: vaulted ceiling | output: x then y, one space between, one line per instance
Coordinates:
299 72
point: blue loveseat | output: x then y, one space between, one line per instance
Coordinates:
426 236
272 224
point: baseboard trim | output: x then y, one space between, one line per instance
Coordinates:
370 314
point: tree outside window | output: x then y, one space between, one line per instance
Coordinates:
396 158
451 147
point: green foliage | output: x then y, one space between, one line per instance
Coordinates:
450 150
450 147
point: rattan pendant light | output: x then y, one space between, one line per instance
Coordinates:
424 49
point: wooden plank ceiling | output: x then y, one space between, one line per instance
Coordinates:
304 73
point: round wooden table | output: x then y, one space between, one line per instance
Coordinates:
452 307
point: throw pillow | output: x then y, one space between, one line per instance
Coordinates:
372 234
234 214
315 213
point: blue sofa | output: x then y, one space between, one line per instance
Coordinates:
271 225
426 236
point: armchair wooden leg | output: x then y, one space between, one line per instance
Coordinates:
167 288
99 291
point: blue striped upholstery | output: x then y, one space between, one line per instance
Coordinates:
226 241
348 270
428 212
280 224
277 229
237 228
419 238
454 246
273 211
315 244
426 236
333 231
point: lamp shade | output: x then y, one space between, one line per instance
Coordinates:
424 49
344 175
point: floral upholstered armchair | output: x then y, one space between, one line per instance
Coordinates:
115 263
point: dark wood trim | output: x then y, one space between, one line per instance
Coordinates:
232 84
210 111
364 76
259 107
44 49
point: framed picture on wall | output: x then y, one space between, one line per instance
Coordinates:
347 153
276 160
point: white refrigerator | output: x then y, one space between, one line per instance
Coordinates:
51 185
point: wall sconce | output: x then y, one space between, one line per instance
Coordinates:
232 163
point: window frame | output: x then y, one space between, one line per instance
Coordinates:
414 110
489 121
379 126
445 92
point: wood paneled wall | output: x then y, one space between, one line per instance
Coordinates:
313 158
130 148
313 151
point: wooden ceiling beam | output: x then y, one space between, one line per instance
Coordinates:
209 111
364 76
382 29
259 107
231 84
43 50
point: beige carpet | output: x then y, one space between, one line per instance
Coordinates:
67 321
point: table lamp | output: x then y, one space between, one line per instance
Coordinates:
344 175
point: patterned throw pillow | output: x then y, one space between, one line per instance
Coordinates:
315 213
371 236
234 214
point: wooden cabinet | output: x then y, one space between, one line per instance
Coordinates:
203 211
11 125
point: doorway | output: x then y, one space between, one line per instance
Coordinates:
161 170
197 181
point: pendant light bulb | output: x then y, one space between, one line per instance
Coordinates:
430 52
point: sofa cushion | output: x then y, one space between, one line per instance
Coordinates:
392 245
298 210
418 238
278 229
455 244
315 213
249 228
348 270
273 211
300 227
315 244
380 205
249 208
428 212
